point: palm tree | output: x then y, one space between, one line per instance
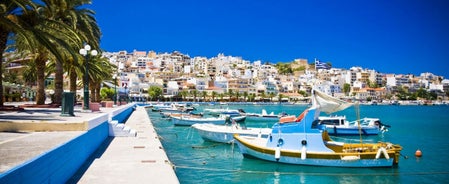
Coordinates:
100 69
183 94
271 95
237 95
204 94
29 74
45 38
69 12
230 93
221 95
245 95
194 93
11 23
214 94
280 96
262 95
55 46
251 97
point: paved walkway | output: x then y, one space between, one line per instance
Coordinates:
18 145
138 159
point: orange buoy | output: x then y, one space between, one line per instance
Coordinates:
418 153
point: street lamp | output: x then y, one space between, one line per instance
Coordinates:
85 52
115 89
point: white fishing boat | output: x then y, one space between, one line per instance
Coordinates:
224 133
188 120
338 125
238 119
298 142
217 112
264 116
178 114
176 108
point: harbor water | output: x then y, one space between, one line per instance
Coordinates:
413 127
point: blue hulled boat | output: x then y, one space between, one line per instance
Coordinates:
301 142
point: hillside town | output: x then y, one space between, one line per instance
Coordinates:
233 79
229 78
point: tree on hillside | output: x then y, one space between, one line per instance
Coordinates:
303 93
284 68
372 84
346 88
154 92
184 94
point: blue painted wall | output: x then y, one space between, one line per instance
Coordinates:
122 116
60 164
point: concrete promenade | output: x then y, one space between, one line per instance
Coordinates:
138 159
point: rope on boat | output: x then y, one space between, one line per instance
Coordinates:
313 174
190 134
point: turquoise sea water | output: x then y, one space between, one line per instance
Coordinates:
413 127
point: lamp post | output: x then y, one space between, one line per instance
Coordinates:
85 52
115 90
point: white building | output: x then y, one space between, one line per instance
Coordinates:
172 88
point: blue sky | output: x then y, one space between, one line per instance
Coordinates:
390 36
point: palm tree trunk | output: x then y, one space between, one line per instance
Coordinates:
3 40
91 91
97 94
59 82
72 81
40 73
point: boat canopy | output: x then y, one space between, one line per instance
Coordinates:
329 104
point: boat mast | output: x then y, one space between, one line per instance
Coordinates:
357 113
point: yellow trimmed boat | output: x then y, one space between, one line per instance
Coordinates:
299 142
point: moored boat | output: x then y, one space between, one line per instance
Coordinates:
224 133
188 121
176 108
298 142
238 119
338 125
264 116
178 114
217 112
